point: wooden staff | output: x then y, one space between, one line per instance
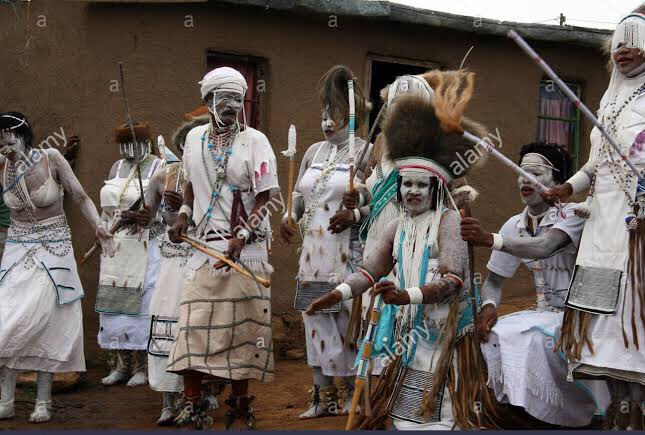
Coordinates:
291 153
134 136
352 132
208 250
465 212
362 374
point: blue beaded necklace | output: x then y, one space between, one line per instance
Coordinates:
220 155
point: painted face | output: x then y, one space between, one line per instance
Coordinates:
11 146
130 151
331 130
535 166
226 104
416 194
627 60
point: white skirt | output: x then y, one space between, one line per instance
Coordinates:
36 333
165 303
325 338
525 371
122 332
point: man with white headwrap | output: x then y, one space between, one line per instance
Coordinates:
225 317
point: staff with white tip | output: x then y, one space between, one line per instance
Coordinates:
291 153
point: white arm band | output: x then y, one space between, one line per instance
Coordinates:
361 200
345 290
357 215
498 242
244 234
415 295
489 301
579 182
187 210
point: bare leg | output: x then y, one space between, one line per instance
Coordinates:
120 372
7 392
41 412
139 369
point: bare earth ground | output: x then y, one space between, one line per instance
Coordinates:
90 405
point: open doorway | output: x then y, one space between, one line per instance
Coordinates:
383 70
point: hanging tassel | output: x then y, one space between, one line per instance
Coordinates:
583 210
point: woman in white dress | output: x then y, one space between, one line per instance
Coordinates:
604 322
41 321
329 252
132 272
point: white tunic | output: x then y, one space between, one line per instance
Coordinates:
118 331
327 257
604 244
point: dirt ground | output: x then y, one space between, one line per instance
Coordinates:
90 405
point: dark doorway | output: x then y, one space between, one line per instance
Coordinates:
383 72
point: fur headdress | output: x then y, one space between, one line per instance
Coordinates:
142 132
332 90
428 135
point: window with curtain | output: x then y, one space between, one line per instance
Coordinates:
559 118
252 69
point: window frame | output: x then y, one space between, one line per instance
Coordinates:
574 148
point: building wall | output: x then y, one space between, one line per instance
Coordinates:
64 77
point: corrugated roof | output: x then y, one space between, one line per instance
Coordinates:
395 12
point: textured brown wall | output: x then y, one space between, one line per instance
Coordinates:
63 79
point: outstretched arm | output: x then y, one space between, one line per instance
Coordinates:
538 247
378 262
65 176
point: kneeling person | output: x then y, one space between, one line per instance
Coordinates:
524 370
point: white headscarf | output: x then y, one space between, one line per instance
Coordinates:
223 79
409 85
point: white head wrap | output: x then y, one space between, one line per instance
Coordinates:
409 85
223 79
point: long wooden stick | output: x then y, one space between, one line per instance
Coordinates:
134 137
473 306
203 247
362 373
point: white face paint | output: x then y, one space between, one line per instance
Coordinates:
12 146
225 105
130 151
534 165
416 194
332 131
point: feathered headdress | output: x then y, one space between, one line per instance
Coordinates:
427 136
